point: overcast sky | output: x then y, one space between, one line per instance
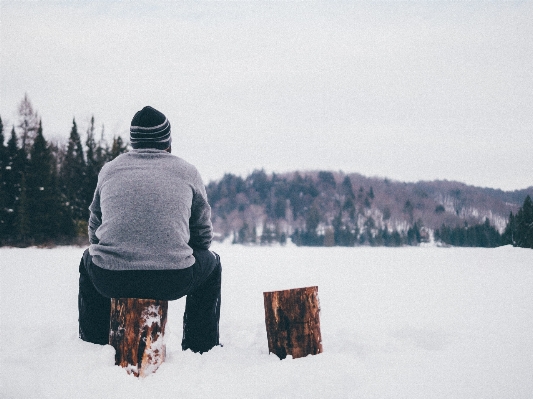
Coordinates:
405 90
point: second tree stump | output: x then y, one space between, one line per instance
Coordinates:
136 333
292 322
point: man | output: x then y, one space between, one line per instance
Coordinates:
150 232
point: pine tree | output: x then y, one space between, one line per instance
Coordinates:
268 235
413 235
44 202
347 188
13 170
118 147
524 224
3 186
342 233
370 225
312 220
73 177
22 216
3 149
310 236
92 165
509 235
102 153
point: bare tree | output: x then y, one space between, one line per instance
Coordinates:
28 124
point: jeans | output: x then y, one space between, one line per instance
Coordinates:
201 283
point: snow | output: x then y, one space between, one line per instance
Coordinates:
151 316
420 322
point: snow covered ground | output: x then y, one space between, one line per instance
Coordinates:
396 323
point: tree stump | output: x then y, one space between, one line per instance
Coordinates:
292 322
136 332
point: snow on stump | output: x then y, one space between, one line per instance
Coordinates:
136 332
292 322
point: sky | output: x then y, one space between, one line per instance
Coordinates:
404 90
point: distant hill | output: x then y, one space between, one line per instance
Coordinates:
263 205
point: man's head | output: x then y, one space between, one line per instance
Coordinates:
150 129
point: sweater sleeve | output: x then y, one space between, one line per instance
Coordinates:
95 218
200 226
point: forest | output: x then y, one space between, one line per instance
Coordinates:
47 187
328 209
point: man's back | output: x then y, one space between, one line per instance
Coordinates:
148 207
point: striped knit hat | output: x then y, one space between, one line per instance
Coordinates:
150 129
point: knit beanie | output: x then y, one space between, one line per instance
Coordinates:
150 129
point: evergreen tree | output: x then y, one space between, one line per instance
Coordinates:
349 197
342 233
396 239
349 206
310 236
118 147
242 236
480 235
347 188
268 235
3 149
72 177
370 225
13 170
102 153
509 235
22 216
327 180
92 165
302 192
259 182
313 219
3 186
43 200
524 224
413 235
280 208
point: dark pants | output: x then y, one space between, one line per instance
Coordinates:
201 283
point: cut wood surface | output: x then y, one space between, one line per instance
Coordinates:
137 334
292 322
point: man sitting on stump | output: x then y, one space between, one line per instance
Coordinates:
150 231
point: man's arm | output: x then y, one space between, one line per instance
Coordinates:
200 226
95 219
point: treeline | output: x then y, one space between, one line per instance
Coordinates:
311 210
338 235
519 231
321 209
480 235
46 188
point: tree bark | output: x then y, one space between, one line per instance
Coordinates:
137 334
292 322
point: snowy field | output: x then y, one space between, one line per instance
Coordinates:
396 323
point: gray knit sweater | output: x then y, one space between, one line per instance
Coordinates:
149 210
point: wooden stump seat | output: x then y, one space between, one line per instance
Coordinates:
292 322
136 332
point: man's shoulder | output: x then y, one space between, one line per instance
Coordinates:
187 169
172 164
182 162
110 165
